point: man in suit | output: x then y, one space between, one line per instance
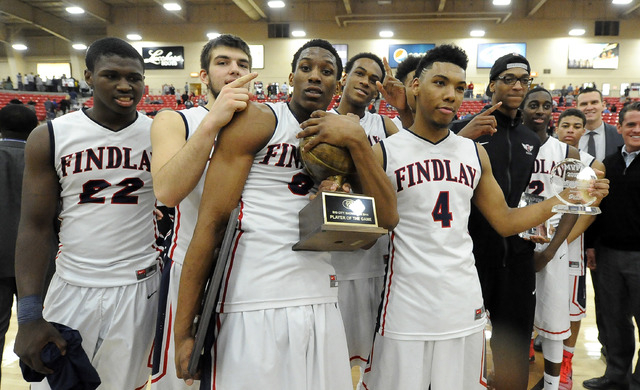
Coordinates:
606 139
600 140
618 253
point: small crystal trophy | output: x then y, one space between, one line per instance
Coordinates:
545 230
570 181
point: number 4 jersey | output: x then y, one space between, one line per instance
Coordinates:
107 234
432 290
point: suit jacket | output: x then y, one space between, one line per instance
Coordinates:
612 139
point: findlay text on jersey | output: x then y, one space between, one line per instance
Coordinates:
96 158
434 170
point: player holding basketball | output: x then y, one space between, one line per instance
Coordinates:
431 326
182 143
97 163
360 273
279 323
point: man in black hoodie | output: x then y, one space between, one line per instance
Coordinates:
505 265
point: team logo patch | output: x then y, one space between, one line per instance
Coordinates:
333 281
528 148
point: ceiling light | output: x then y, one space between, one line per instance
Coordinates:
79 46
276 4
621 2
172 6
386 34
501 2
75 10
19 46
213 35
298 33
477 33
134 37
576 32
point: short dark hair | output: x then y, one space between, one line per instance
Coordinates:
371 56
573 112
17 118
407 66
635 106
321 43
227 40
443 53
110 46
590 89
534 90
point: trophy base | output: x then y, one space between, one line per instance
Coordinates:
339 238
575 209
336 221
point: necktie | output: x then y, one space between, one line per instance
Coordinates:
591 144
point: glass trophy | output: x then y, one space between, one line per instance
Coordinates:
544 230
570 181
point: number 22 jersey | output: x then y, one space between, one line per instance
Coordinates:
107 234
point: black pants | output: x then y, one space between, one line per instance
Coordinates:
509 296
619 278
7 292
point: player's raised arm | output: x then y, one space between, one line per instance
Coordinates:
225 179
33 249
394 92
178 164
508 221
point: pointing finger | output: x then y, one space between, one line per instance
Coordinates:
387 68
240 81
492 109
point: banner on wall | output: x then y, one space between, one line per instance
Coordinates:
488 53
593 56
399 53
165 57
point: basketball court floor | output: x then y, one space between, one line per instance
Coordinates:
587 362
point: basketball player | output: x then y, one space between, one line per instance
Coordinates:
279 323
550 259
360 273
431 324
97 163
182 142
571 127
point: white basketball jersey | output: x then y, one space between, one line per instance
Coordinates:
107 236
263 271
186 213
432 290
576 247
364 264
550 154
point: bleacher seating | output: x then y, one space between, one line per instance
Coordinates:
38 98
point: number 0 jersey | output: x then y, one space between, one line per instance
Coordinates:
107 234
432 290
263 272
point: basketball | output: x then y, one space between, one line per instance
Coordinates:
326 160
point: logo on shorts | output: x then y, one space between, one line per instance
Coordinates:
479 313
333 281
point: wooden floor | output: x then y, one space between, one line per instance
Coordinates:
586 362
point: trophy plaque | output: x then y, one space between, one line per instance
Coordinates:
335 221
570 181
545 229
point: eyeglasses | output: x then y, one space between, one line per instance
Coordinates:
510 80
